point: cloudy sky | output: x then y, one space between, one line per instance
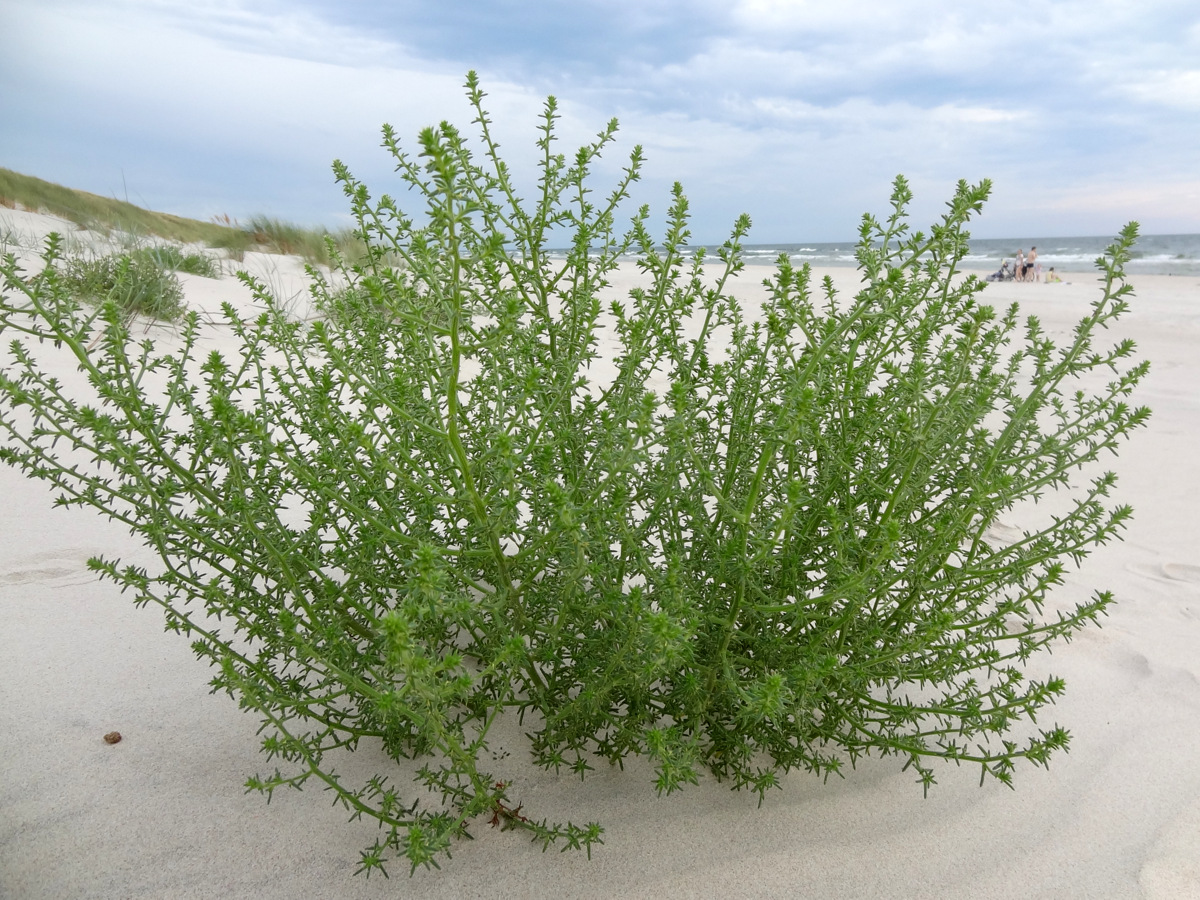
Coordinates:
800 112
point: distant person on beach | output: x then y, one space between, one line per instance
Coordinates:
1052 276
1019 266
1001 274
1031 273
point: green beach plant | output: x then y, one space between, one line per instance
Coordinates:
136 282
311 244
172 257
104 214
235 247
661 524
109 216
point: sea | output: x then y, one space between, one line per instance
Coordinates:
1154 254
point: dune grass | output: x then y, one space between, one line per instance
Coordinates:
171 257
138 283
106 215
308 243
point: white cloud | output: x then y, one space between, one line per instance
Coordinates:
272 29
786 17
979 115
1179 89
858 111
245 79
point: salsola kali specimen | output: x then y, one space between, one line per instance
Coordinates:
763 544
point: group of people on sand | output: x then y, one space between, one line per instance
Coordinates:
1024 268
1027 268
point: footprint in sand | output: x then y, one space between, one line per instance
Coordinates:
1167 571
1171 867
999 533
53 570
1181 572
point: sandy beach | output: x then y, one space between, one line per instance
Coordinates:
163 813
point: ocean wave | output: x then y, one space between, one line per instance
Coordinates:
1153 254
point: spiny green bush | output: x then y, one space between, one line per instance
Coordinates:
350 305
757 543
136 282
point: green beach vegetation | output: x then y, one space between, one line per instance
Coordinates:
140 281
105 214
108 216
138 275
171 257
312 245
136 284
758 543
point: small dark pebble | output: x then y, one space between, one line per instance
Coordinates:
113 737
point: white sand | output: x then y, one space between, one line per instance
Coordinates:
163 814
